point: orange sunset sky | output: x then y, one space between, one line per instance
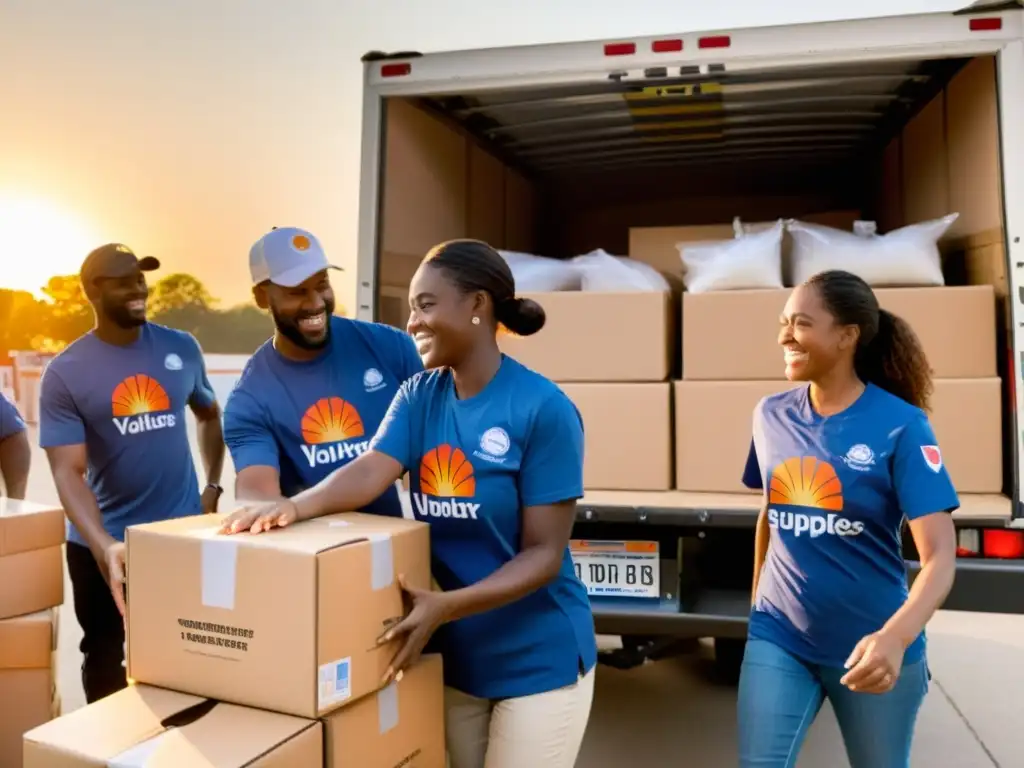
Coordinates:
186 128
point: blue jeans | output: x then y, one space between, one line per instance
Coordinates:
780 695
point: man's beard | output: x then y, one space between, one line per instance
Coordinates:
289 328
121 316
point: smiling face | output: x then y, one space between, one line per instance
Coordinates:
122 300
301 313
813 342
441 317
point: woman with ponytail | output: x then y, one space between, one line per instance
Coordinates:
843 461
495 453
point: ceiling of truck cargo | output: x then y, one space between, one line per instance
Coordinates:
796 117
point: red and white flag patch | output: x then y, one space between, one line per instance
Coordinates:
932 457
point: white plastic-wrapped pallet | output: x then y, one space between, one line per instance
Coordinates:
750 260
603 272
539 273
908 256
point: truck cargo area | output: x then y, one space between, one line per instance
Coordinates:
560 171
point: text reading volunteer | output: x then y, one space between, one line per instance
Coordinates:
112 421
495 452
843 461
309 399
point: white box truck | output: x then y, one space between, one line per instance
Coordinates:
562 148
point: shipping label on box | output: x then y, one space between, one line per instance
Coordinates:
31 559
145 726
627 336
401 725
285 620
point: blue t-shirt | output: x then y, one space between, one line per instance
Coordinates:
127 405
839 488
10 420
307 419
475 464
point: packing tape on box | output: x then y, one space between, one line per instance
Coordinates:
218 566
139 755
387 708
382 561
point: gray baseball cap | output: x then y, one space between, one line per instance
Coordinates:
287 256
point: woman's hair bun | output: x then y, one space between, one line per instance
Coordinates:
524 317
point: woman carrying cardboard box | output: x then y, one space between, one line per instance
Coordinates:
843 461
495 451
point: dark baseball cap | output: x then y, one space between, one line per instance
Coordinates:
114 260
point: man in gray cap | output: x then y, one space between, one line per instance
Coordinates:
310 398
112 421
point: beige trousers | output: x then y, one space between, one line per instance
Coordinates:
543 730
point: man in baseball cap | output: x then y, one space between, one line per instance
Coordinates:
112 420
309 399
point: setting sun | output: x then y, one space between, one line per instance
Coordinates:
39 240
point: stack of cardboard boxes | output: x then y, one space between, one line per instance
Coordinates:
262 650
31 591
612 354
731 359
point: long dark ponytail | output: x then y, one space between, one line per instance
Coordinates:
889 354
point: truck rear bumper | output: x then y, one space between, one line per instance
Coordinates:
983 586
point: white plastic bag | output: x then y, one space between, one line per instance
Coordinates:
904 257
600 271
750 260
539 273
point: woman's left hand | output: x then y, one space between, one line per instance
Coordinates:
429 611
875 664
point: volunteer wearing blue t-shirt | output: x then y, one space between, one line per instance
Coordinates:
843 460
495 452
310 399
15 451
112 421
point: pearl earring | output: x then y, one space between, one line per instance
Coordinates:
476 321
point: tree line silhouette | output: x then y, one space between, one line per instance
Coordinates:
178 300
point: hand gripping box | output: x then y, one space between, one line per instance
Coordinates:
285 620
144 726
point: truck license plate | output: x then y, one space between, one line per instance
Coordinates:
617 568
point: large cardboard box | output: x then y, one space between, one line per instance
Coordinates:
31 560
628 336
286 620
401 725
141 725
628 435
714 421
733 335
657 245
28 696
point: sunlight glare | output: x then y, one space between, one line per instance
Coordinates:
39 240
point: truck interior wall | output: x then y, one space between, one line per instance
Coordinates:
947 159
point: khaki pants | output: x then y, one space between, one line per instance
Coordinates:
543 730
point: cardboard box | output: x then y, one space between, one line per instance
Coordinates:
27 679
657 245
401 725
141 725
733 335
286 620
628 336
628 435
31 560
714 422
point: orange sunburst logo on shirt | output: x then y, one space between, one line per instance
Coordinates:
445 471
331 420
139 394
805 481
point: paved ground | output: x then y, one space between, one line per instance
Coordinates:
670 714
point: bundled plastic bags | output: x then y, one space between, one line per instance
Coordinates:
600 271
752 259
